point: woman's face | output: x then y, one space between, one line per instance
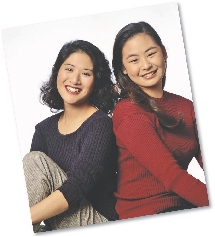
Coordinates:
144 62
75 79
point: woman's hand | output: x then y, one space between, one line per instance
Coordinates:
51 206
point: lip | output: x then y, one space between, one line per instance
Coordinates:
73 89
150 75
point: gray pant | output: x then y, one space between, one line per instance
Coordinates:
43 176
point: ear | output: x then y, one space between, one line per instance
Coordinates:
124 70
165 56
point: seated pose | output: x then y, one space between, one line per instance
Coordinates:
71 168
155 130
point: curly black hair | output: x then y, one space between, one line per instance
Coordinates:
103 94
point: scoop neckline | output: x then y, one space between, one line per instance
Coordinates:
69 134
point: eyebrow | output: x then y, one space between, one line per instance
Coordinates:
74 66
131 55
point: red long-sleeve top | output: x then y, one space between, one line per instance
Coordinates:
153 162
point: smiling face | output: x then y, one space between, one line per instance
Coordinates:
144 62
75 79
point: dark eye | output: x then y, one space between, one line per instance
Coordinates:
86 74
151 54
133 61
69 69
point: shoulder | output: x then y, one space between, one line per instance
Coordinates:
179 103
100 115
48 121
178 99
97 125
125 107
176 103
97 120
127 111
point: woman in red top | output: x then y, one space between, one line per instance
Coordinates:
155 130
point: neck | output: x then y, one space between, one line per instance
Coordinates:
77 112
73 116
155 92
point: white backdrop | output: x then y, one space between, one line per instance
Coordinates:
31 49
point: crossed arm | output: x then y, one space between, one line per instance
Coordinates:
84 172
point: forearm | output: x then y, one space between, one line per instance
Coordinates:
191 189
157 159
51 206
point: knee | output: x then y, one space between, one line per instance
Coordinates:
33 156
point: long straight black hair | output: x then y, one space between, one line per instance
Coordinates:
127 88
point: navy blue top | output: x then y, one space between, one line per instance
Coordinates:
88 156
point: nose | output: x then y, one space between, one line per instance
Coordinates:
145 64
75 78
